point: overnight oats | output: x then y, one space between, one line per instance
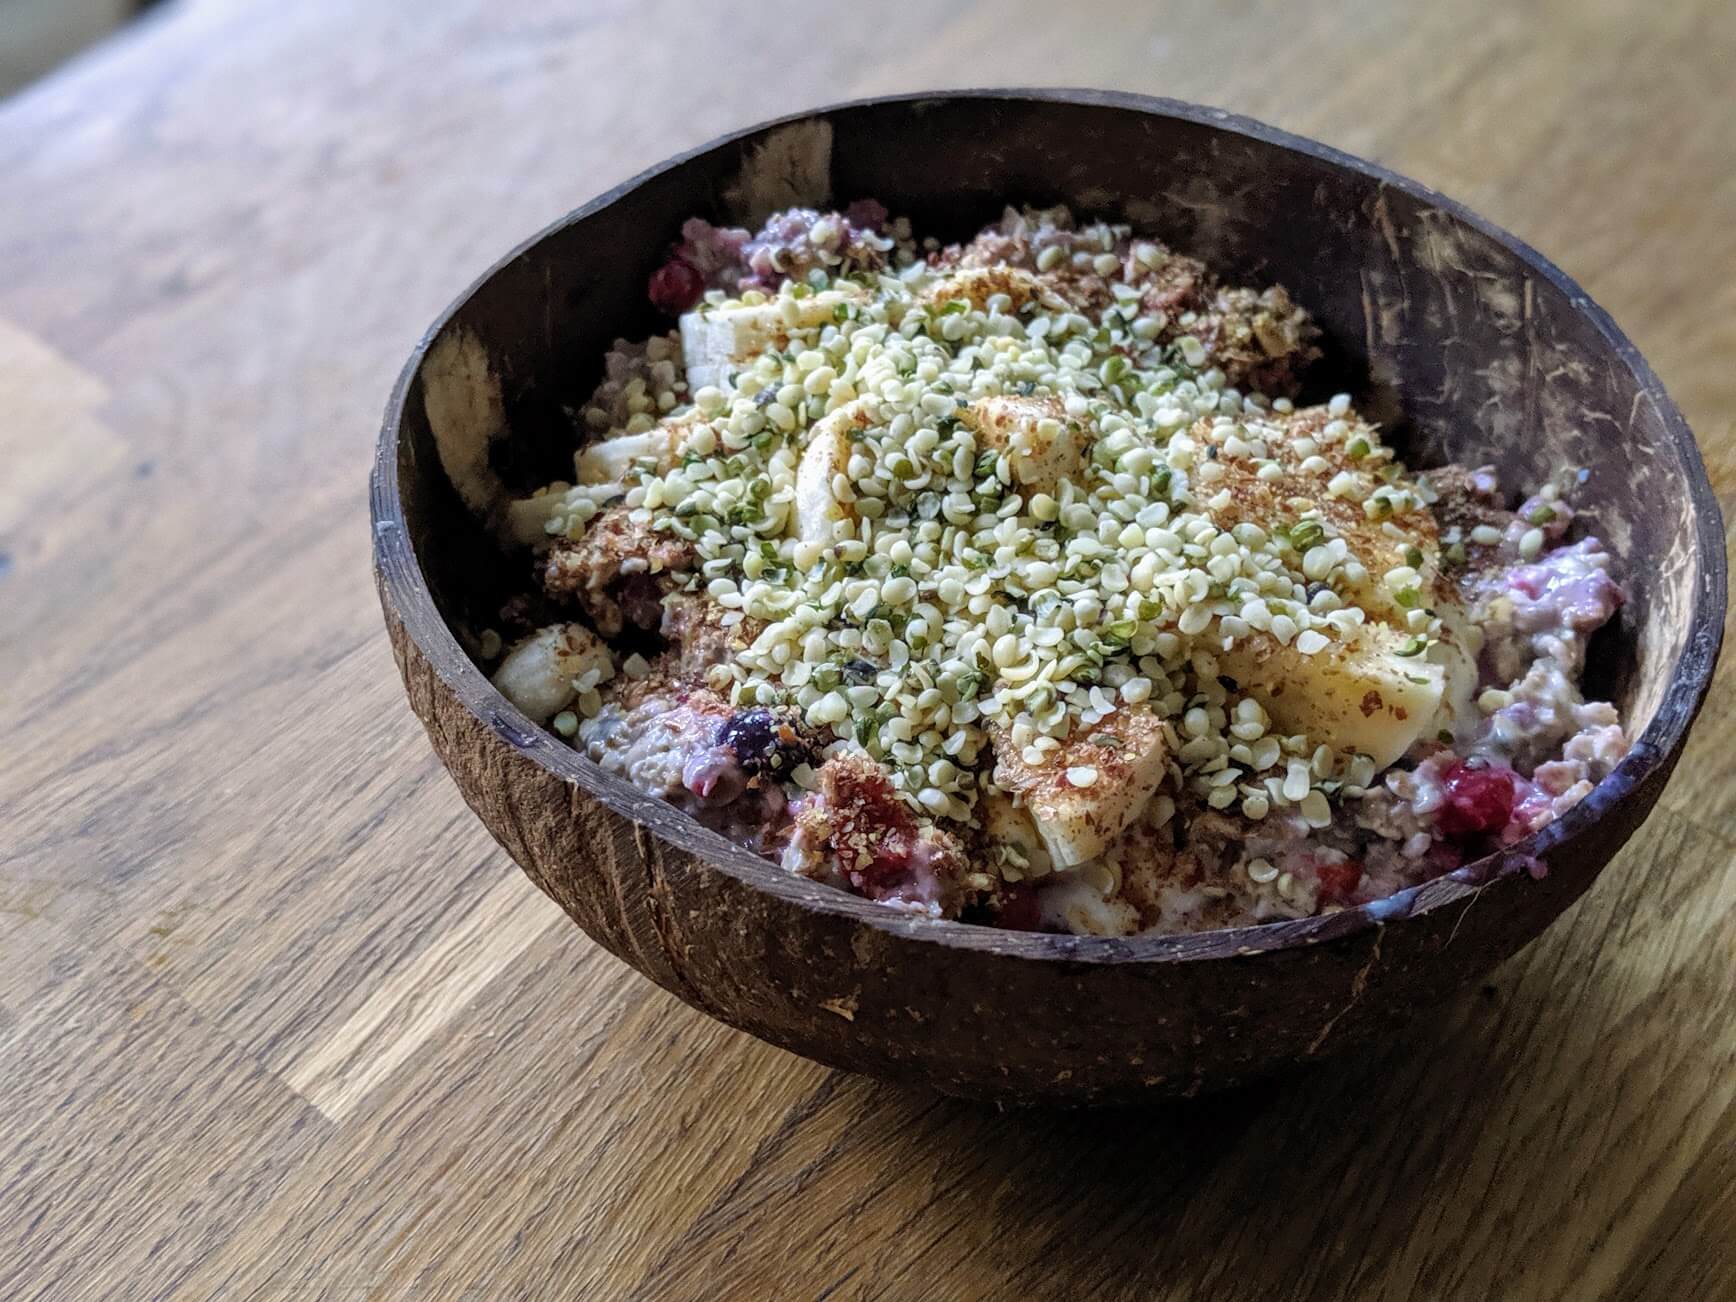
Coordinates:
1010 582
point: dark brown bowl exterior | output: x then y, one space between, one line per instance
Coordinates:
1470 344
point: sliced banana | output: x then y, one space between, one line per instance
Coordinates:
538 675
1042 444
718 340
1073 903
523 522
611 460
1358 692
1005 823
1461 642
819 503
1088 791
977 285
1331 480
1355 695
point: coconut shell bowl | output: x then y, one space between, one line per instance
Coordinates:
1467 345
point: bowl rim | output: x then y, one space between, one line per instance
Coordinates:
404 586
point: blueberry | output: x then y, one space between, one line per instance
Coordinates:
763 742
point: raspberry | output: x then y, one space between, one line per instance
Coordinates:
676 286
1479 802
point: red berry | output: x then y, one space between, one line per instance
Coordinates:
1479 801
1338 880
676 286
888 863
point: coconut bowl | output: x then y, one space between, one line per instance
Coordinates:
1468 345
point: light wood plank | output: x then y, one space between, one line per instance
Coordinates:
121 1165
410 1006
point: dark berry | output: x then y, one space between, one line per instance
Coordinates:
764 743
868 214
1479 801
640 598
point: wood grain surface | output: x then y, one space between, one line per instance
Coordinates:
277 1019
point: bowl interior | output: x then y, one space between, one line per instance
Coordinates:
1466 344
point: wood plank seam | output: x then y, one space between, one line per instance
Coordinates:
412 1005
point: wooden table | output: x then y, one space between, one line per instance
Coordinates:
278 1019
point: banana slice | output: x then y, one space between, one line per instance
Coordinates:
611 460
819 505
976 285
1042 444
538 674
1355 695
522 523
1313 463
1005 824
719 339
1084 795
1073 903
1461 643
604 463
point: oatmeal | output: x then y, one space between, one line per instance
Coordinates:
1010 581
